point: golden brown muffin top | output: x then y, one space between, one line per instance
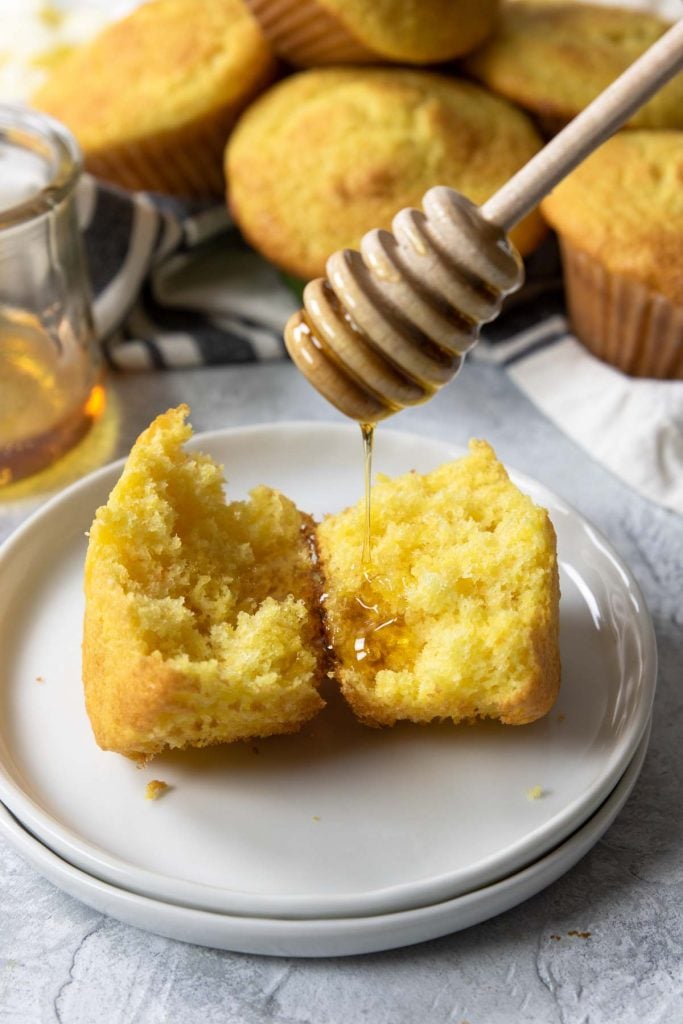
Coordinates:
167 64
417 31
554 59
624 207
331 153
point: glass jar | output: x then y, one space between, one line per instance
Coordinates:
50 371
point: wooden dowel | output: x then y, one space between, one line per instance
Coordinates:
587 131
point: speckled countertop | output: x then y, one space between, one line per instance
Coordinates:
62 962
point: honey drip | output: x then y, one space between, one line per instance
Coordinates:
368 434
387 328
372 618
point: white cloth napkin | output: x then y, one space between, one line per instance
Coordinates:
634 427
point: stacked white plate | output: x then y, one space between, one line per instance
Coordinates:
340 839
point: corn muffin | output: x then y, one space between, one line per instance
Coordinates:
457 615
202 622
312 32
619 217
152 99
553 59
330 153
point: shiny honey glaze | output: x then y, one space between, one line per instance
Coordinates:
373 620
48 398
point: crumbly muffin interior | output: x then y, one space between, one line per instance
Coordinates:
457 615
222 596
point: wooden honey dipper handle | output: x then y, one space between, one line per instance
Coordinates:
391 323
587 131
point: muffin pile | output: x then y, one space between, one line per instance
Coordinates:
323 118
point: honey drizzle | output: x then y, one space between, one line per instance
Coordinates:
368 434
373 618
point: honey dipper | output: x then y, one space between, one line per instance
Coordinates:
391 324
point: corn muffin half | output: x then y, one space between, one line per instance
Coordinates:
457 615
153 97
201 623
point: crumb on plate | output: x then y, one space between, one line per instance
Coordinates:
535 793
155 788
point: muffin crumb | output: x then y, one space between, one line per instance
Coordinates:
535 793
155 788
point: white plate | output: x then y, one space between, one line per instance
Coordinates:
326 936
339 820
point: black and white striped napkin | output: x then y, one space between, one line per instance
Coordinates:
176 286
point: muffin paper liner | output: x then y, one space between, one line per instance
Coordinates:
622 321
305 34
185 162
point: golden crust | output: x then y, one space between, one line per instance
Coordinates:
313 32
416 31
554 58
540 694
329 154
624 208
164 87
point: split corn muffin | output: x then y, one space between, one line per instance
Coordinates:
151 100
331 153
201 623
457 616
553 59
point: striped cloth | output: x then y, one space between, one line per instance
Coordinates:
176 286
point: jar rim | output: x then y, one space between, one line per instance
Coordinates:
51 140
